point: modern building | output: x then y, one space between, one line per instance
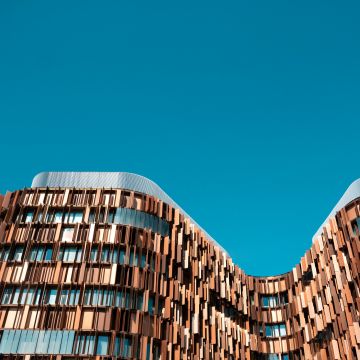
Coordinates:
104 265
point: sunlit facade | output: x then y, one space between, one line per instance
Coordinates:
105 265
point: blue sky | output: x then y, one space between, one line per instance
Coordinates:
245 112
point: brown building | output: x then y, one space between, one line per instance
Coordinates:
104 265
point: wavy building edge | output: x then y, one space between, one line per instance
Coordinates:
206 306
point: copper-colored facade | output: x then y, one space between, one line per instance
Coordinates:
111 272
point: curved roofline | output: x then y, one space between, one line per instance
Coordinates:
139 183
351 193
121 180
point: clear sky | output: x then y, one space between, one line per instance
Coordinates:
245 112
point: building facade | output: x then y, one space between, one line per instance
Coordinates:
104 265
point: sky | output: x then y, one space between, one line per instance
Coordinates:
245 112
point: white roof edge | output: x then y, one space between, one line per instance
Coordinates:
144 185
351 193
123 180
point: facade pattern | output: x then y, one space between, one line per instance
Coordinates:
99 273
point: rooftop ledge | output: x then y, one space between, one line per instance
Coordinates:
115 180
124 180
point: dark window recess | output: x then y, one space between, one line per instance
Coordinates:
355 224
323 336
307 277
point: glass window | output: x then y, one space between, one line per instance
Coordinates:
67 234
75 217
30 296
122 347
111 216
122 257
105 253
58 216
140 301
26 296
7 294
151 305
141 219
70 254
48 254
4 253
85 345
74 296
143 260
268 330
116 351
94 253
127 347
275 300
115 256
91 216
87 297
119 299
273 357
18 252
50 297
282 330
133 259
28 216
98 297
102 345
275 330
40 253
36 342
69 297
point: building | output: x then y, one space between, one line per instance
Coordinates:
102 265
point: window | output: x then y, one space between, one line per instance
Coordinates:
356 226
48 254
94 253
50 297
75 217
28 216
140 219
102 345
275 330
70 254
133 259
18 253
151 305
140 301
7 295
58 216
125 299
258 356
105 254
122 257
67 234
40 253
108 254
85 344
15 295
69 297
37 342
122 347
27 296
143 260
4 253
275 300
91 216
99 297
